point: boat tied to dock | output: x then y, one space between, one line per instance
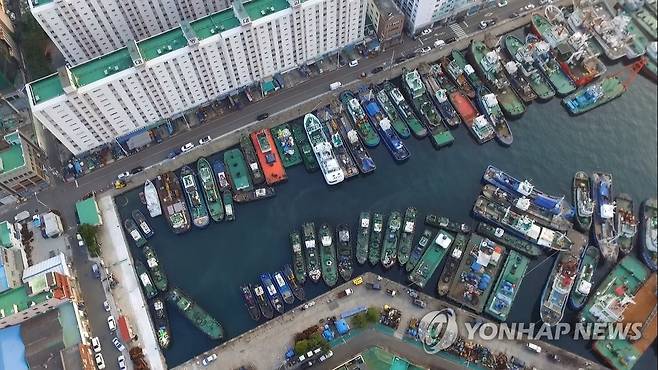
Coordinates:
210 190
298 257
382 124
362 158
331 126
558 286
415 126
604 225
308 157
391 237
152 200
499 235
268 157
649 233
195 200
134 233
331 170
452 263
431 75
250 302
376 237
487 103
263 302
582 197
139 218
157 272
418 250
507 286
228 205
174 207
161 323
584 283
195 314
407 235
445 223
272 293
396 120
328 255
295 285
626 223
251 160
237 169
522 55
359 119
283 287
223 181
285 145
145 280
344 251
431 258
363 238
311 252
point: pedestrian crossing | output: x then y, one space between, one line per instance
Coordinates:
458 30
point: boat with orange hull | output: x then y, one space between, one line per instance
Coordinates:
462 104
268 157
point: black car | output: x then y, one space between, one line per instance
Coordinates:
137 169
451 40
377 70
262 116
400 60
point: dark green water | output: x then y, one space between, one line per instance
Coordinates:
549 147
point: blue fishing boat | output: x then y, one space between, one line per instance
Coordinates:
222 175
283 288
272 294
383 125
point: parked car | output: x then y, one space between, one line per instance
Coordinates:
487 23
502 3
262 116
209 359
100 363
111 323
81 243
426 49
354 63
204 140
95 270
122 363
137 169
119 184
377 69
118 344
399 60
106 306
450 40
439 43
186 147
528 7
96 344
123 175
426 31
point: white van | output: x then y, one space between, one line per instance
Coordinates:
533 347
335 85
354 63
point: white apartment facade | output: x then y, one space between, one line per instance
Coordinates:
85 29
155 79
426 13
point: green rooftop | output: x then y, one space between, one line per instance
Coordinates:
5 234
88 212
161 44
46 88
261 8
17 299
101 67
36 3
210 25
12 157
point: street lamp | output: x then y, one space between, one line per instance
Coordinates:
40 202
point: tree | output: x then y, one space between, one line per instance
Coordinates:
301 347
359 321
88 234
372 315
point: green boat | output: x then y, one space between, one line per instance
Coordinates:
594 95
363 238
619 286
474 290
522 55
405 111
650 69
144 277
499 235
299 266
228 205
460 62
646 21
419 249
440 135
549 66
442 222
507 286
210 190
376 236
396 121
344 252
157 273
305 149
639 41
328 255
390 248
407 237
452 263
237 170
134 233
312 256
251 159
359 119
487 63
285 145
585 279
198 209
431 258
197 315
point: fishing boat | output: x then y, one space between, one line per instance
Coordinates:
460 63
195 314
649 231
283 288
487 63
285 145
499 235
173 204
440 136
161 323
263 302
210 190
431 258
139 218
268 157
626 223
585 278
594 95
152 200
157 272
272 294
311 252
461 103
298 257
445 223
390 247
520 84
456 73
344 252
361 156
251 159
650 69
604 224
407 236
479 268
331 126
250 302
544 60
452 263
150 291
382 124
359 119
396 120
228 205
524 205
324 154
328 255
198 209
418 250
376 237
237 170
308 157
582 197
363 238
405 111
134 233
557 288
522 54
259 193
507 286
439 94
223 181
611 33
488 105
294 284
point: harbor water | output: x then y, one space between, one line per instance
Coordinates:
549 147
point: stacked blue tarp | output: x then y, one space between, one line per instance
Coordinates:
12 349
342 327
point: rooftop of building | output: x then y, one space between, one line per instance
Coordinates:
212 24
261 8
12 157
88 212
161 44
96 69
54 264
19 299
387 6
36 3
5 234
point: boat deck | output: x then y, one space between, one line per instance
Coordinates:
268 157
502 299
237 169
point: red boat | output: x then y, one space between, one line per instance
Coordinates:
268 157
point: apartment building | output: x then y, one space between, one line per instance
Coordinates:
427 13
12 257
21 166
160 77
85 29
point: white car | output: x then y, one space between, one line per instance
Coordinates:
426 31
122 363
123 175
106 306
96 344
118 344
186 147
209 359
483 25
111 323
204 140
439 43
354 63
100 363
529 7
81 243
502 3
426 49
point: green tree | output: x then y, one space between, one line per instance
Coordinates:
359 321
372 315
301 347
89 235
